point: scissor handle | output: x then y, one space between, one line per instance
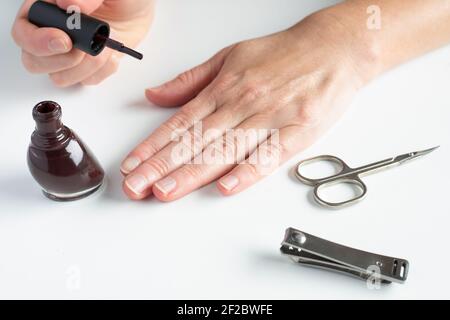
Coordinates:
314 182
351 179
344 175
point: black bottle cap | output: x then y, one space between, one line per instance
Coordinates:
90 37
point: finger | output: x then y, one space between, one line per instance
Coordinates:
268 157
192 112
38 41
187 85
228 116
107 70
179 152
178 124
84 70
216 160
52 64
86 6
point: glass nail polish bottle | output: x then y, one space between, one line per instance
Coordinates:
58 160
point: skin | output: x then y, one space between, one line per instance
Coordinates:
297 81
50 51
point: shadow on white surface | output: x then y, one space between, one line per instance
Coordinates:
145 105
301 276
20 188
306 191
113 191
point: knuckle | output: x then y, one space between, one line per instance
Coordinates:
308 115
17 33
179 121
147 148
270 152
186 77
159 165
29 63
230 143
242 46
58 80
96 62
251 92
14 33
262 117
183 152
216 148
92 81
114 64
193 171
101 75
252 168
220 152
279 148
75 58
272 109
225 115
226 81
264 160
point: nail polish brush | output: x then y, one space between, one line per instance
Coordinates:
91 36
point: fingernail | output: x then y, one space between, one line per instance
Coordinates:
229 182
130 164
136 183
156 89
58 45
166 185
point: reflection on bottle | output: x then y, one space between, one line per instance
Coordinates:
58 160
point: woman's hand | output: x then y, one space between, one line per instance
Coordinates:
49 50
296 82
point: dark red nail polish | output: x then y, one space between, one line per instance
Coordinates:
58 160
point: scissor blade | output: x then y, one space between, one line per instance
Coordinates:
413 155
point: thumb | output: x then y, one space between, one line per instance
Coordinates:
187 85
86 6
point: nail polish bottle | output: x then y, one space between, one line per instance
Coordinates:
58 160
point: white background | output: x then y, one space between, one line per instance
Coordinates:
205 245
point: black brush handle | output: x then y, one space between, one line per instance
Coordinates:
90 37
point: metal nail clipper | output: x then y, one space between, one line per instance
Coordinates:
313 251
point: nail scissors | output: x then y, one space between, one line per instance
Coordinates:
350 175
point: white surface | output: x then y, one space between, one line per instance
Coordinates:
207 246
